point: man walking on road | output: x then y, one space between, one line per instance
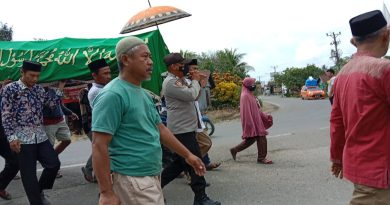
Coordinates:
101 74
22 104
55 124
183 121
331 75
202 136
360 118
127 131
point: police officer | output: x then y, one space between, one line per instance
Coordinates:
183 121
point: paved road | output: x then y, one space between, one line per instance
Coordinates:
298 144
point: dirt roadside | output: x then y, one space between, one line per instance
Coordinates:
231 114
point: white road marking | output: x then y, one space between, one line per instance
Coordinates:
324 128
280 135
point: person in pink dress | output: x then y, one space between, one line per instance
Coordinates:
253 128
360 117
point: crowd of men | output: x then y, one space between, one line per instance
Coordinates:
126 130
117 114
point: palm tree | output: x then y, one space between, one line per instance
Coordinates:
229 60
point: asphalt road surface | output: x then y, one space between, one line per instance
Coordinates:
298 143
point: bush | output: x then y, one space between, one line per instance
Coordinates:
227 90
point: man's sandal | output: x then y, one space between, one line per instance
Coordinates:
212 166
87 177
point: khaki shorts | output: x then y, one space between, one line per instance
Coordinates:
138 190
364 195
59 131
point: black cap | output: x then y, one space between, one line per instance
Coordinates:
173 58
97 64
192 62
367 23
32 66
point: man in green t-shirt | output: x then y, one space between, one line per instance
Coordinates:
127 132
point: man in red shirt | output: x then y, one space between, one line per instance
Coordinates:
360 118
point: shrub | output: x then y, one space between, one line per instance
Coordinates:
227 91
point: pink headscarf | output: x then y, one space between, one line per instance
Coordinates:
250 112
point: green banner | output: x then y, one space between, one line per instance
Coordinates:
67 58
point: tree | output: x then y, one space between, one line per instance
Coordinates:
229 60
5 32
188 54
294 78
207 61
224 61
342 62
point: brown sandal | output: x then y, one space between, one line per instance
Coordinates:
265 161
87 177
212 166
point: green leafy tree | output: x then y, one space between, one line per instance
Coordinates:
224 61
188 54
342 62
6 32
294 78
207 61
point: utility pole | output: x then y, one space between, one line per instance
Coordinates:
274 73
274 67
336 52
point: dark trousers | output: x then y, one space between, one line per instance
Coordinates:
206 159
28 157
198 183
261 146
88 165
167 156
11 166
331 100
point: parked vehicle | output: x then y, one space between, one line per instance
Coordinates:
312 92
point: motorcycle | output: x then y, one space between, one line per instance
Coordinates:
209 125
210 128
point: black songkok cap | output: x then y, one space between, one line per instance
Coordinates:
32 66
174 58
97 64
193 62
367 23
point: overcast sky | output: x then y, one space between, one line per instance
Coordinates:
280 33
